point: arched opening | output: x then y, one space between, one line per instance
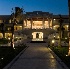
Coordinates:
37 36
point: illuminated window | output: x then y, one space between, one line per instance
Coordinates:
9 21
1 21
9 28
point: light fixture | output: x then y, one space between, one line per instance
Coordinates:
67 26
65 37
53 41
54 19
58 37
9 38
2 58
54 26
54 36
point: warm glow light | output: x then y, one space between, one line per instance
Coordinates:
65 37
69 49
54 36
20 26
66 55
13 41
53 41
40 36
16 37
2 58
14 48
54 26
54 19
9 38
67 26
58 37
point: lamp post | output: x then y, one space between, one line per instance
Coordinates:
69 27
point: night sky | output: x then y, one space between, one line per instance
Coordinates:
52 6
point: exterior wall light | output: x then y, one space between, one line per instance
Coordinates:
65 37
54 37
58 37
67 26
54 19
54 26
9 38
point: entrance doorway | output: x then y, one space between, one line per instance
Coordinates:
37 36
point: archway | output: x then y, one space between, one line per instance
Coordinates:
37 36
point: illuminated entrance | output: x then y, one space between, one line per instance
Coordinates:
37 36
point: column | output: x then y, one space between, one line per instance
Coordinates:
43 23
26 22
31 23
49 22
23 25
52 22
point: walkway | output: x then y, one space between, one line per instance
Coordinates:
36 56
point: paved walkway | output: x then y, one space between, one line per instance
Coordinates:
36 56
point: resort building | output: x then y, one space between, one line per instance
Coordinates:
35 25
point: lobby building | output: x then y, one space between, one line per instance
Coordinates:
36 25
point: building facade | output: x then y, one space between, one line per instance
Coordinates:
36 24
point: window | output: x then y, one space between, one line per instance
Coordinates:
9 28
1 21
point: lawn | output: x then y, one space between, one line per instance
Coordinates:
61 52
7 54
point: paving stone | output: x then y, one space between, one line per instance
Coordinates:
36 56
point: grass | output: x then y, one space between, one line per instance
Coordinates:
7 54
61 52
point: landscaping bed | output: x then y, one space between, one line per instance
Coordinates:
4 41
61 52
7 54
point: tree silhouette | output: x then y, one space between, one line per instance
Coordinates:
2 29
60 28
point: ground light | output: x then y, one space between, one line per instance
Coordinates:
2 58
54 37
65 37
14 48
53 42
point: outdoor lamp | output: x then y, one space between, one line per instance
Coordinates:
54 37
53 41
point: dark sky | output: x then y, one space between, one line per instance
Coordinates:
52 6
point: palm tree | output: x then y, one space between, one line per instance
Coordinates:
14 16
60 29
